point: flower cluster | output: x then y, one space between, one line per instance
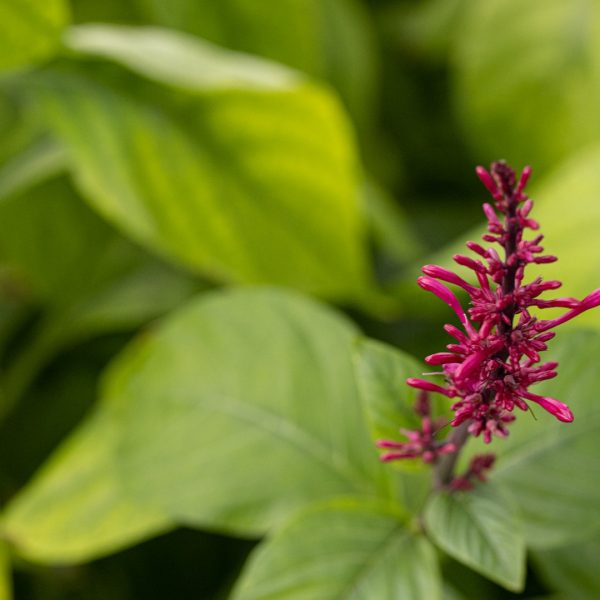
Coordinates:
495 358
421 443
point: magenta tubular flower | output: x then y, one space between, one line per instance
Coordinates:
420 443
496 357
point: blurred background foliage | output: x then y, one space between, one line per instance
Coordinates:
154 151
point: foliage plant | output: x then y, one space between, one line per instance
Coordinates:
212 217
490 369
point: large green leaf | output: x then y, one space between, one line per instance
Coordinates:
345 549
75 509
240 408
481 529
247 184
528 78
30 30
552 468
62 257
329 39
179 60
572 570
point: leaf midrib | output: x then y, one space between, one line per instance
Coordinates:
290 432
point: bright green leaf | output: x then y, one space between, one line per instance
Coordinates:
328 39
75 508
345 550
179 60
30 30
240 408
552 468
528 78
245 185
481 529
5 573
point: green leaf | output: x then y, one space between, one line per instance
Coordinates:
330 39
42 160
572 570
75 509
57 254
5 573
179 60
571 234
245 184
345 549
30 30
429 28
49 238
390 226
239 409
480 528
528 78
381 374
548 466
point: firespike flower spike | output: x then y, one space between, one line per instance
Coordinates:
489 371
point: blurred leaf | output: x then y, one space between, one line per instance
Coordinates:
70 259
344 549
390 226
569 213
451 594
5 573
528 78
51 238
240 408
147 292
429 28
42 160
572 570
180 60
75 508
246 185
481 529
88 278
328 39
349 49
30 30
550 467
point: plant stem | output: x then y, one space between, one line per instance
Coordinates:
443 471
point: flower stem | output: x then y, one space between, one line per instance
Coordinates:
443 471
